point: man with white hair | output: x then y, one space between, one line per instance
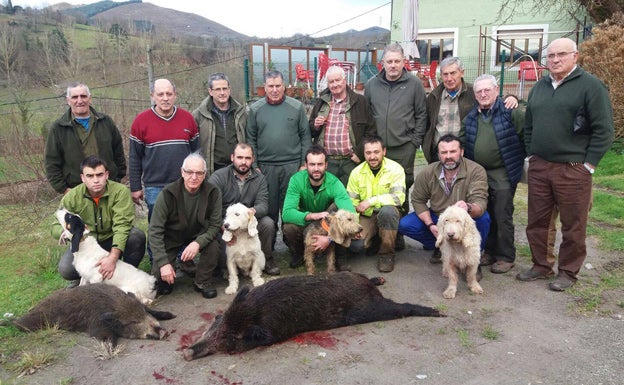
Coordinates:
338 122
494 138
568 127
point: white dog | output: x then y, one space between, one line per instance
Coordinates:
459 242
87 253
244 252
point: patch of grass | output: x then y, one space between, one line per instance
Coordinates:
105 350
489 333
590 295
464 338
31 362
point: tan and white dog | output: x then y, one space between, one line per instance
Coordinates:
242 248
87 253
459 242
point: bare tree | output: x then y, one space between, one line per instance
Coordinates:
9 50
598 10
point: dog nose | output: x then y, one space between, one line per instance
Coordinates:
226 225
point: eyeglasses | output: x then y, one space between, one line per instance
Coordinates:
558 55
484 91
198 174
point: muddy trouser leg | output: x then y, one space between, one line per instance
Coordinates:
66 268
293 237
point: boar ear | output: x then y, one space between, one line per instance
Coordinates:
160 315
258 335
240 296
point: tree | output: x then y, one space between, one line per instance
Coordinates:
9 49
598 10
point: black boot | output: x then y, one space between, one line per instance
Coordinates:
271 268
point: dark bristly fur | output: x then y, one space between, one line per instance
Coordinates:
102 311
282 308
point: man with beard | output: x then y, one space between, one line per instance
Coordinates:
240 183
377 190
453 180
310 194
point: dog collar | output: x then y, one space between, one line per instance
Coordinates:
325 225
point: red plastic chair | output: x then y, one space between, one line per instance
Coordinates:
530 70
430 73
304 75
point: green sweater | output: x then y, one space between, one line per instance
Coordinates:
278 133
550 114
170 225
114 212
301 199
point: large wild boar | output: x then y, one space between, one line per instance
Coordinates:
282 308
102 311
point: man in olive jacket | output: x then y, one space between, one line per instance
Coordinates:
107 210
221 121
186 221
80 132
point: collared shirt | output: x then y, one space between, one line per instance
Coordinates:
337 129
448 121
448 187
555 83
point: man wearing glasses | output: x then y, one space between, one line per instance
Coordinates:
186 223
221 121
568 128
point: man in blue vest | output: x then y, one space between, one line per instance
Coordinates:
493 138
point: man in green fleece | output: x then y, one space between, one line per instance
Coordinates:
278 131
310 194
107 210
568 128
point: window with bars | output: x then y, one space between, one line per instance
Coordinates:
435 45
518 44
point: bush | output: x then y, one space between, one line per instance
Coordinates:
603 55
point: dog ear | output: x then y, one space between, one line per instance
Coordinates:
334 232
252 225
227 235
76 227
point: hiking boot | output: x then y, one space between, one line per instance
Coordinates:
487 259
532 275
206 292
271 268
163 288
500 267
436 257
295 261
399 243
188 268
561 283
385 264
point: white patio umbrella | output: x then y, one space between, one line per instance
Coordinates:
409 25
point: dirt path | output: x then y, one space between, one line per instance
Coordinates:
540 340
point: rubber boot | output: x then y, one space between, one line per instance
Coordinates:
385 264
270 267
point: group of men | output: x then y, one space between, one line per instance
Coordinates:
189 167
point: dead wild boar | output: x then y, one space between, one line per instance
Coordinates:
102 311
283 308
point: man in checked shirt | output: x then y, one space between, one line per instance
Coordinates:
338 122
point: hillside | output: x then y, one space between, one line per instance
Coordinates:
145 15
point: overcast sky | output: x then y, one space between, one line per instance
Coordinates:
274 18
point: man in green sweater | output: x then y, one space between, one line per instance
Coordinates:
186 222
310 194
278 131
568 128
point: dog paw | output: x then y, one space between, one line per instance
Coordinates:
449 293
231 289
477 289
257 282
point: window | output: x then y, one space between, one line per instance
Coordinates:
519 43
436 45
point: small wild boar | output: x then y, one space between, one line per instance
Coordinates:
282 308
102 311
